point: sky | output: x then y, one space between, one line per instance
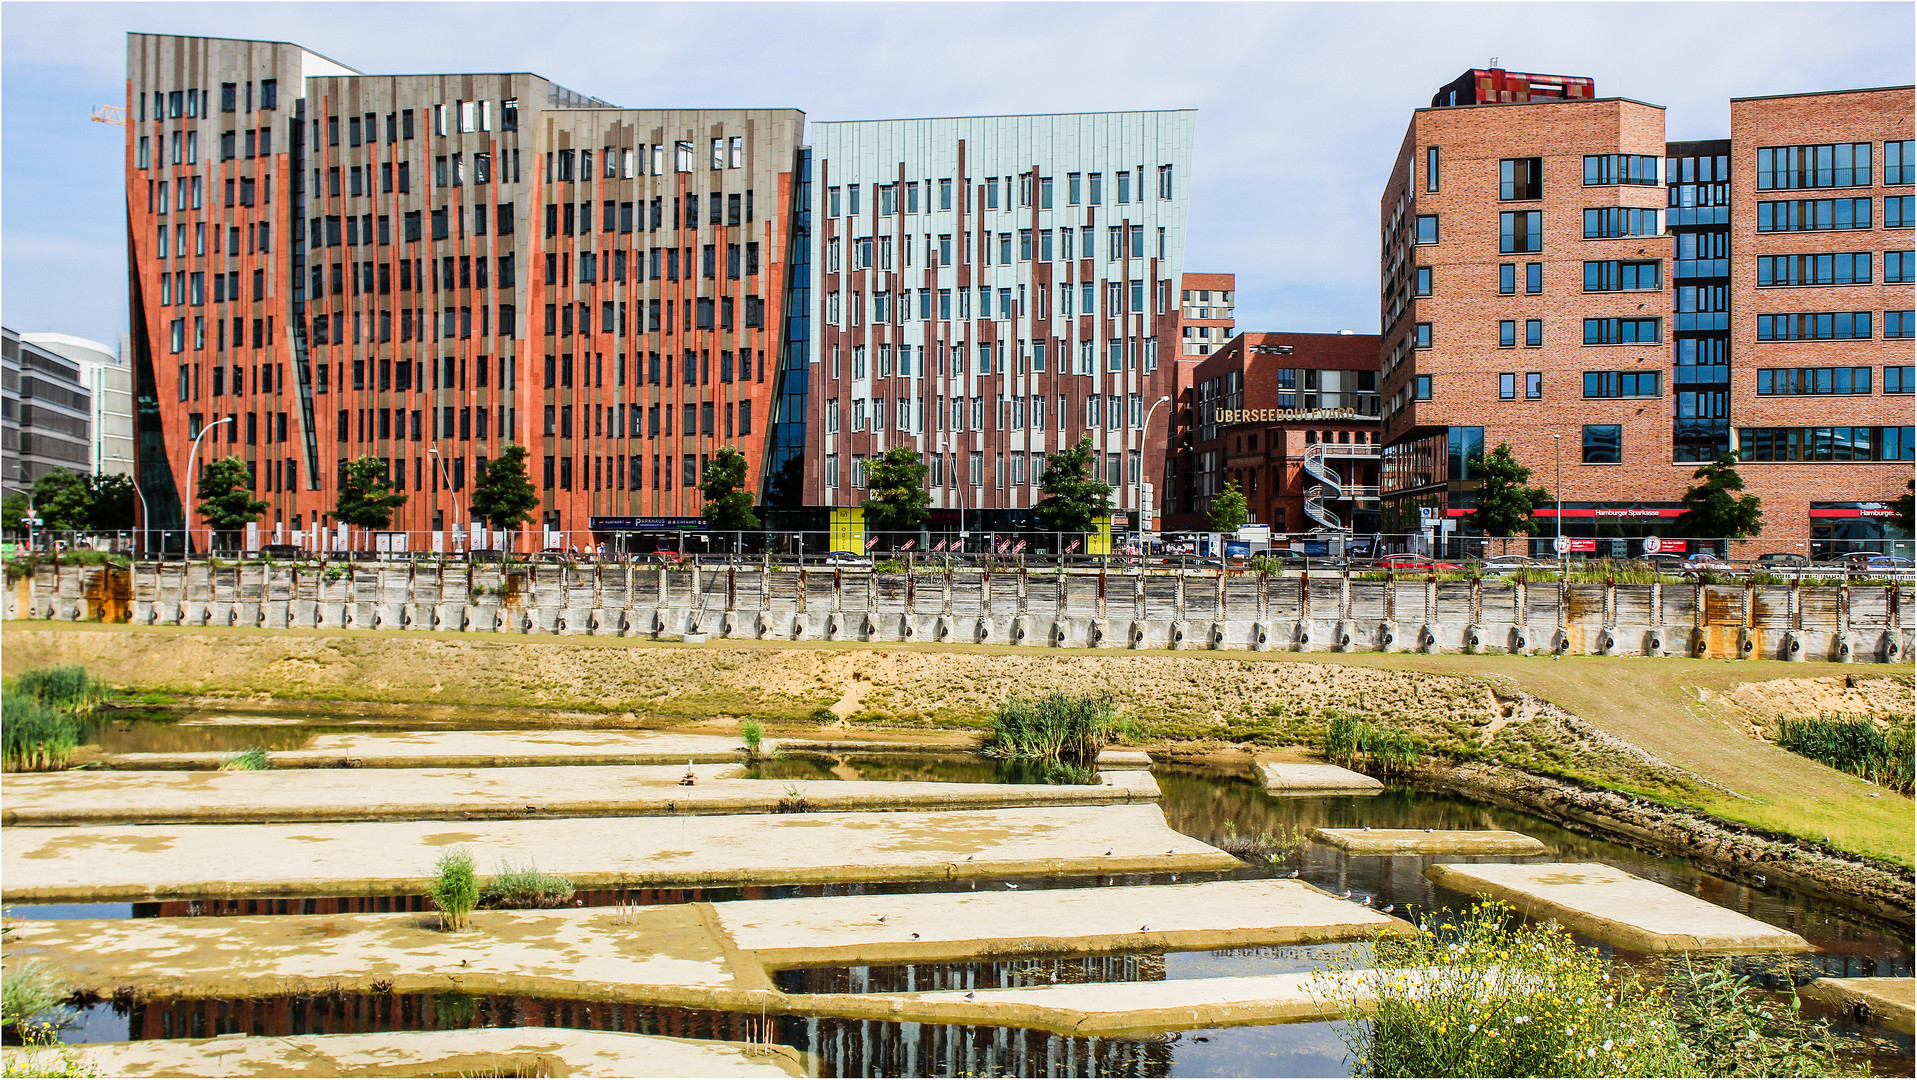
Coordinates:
1301 106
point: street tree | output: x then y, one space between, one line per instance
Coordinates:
366 497
1507 504
1228 509
504 498
226 496
1713 509
62 500
14 511
728 501
112 498
898 499
1074 495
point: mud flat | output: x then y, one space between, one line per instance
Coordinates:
1127 1008
1313 778
568 791
470 750
1620 908
1893 1002
470 1052
142 862
935 926
1428 841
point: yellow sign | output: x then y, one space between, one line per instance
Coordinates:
1099 540
848 529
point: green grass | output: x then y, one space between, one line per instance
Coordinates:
525 887
37 738
1066 728
455 889
68 687
32 998
1881 755
251 760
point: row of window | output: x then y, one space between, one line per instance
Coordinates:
1119 469
1834 215
1121 354
1109 411
722 208
1122 242
173 105
330 328
1827 444
1832 165
1086 189
1522 231
1831 380
623 421
627 163
1831 326
1011 302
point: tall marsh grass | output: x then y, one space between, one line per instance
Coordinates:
37 738
455 888
1068 728
1882 755
69 688
1352 742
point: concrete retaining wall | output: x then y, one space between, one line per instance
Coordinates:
1250 612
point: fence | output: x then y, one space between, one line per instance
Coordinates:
1057 606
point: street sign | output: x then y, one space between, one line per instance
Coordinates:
1652 545
1561 545
1425 514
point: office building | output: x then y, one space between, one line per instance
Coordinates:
990 289
45 413
1556 276
423 268
1205 321
109 383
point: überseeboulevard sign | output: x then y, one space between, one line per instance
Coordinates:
1227 417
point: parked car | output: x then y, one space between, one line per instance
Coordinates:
848 558
1894 567
1783 560
1705 562
282 551
1511 564
1406 560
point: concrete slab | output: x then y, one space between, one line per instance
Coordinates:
469 749
1109 759
465 1052
667 954
1428 841
570 791
1892 1002
138 862
1313 778
1105 1009
930 926
1620 908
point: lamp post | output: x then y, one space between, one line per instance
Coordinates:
193 483
1144 436
447 480
1557 447
141 495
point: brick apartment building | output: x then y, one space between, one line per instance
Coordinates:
991 289
1293 420
1556 276
327 264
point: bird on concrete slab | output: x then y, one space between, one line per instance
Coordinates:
969 995
1144 928
1389 908
1293 874
1009 885
915 935
1108 852
1367 828
881 918
1346 896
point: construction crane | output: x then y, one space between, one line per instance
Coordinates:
110 114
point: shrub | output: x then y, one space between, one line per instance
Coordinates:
246 761
1736 1029
823 716
37 738
754 734
1859 747
524 887
68 688
32 999
1480 997
1057 727
455 887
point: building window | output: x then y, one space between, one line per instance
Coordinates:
1603 444
1533 385
1608 222
1521 178
1431 168
1421 336
1900 267
1826 444
1898 324
1900 211
1899 166
1620 331
1781 382
1815 326
1533 278
1533 332
1608 169
1826 165
1507 333
1839 268
1421 388
1900 378
1507 279
1620 384
1814 215
1427 228
1423 281
1612 275
1508 386
1521 230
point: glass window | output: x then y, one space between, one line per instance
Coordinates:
1421 336
1825 165
1508 386
1534 385
1431 168
1534 277
1899 165
1897 324
1507 278
1603 444
1424 281
1614 221
1521 230
1427 228
1607 169
1521 178
1507 333
1620 331
1421 388
1534 332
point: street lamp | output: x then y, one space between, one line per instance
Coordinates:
141 495
447 479
1557 447
193 483
1144 437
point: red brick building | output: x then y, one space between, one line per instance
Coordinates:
1292 419
1557 277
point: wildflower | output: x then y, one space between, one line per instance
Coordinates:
1607 1046
1520 1019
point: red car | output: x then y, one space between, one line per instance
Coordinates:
1405 560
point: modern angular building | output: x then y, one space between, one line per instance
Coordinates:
423 268
988 290
45 414
1556 276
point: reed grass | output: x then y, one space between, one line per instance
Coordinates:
251 760
37 738
1351 742
1882 755
1069 728
455 888
68 688
525 887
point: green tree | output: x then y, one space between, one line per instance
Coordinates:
14 510
1074 495
366 498
1901 509
62 500
226 496
1506 502
113 501
504 498
1713 509
728 504
1228 509
899 500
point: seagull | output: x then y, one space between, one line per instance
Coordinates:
1293 874
1346 896
1144 928
1009 885
1428 830
915 935
881 918
1367 828
1389 908
969 995
1108 852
